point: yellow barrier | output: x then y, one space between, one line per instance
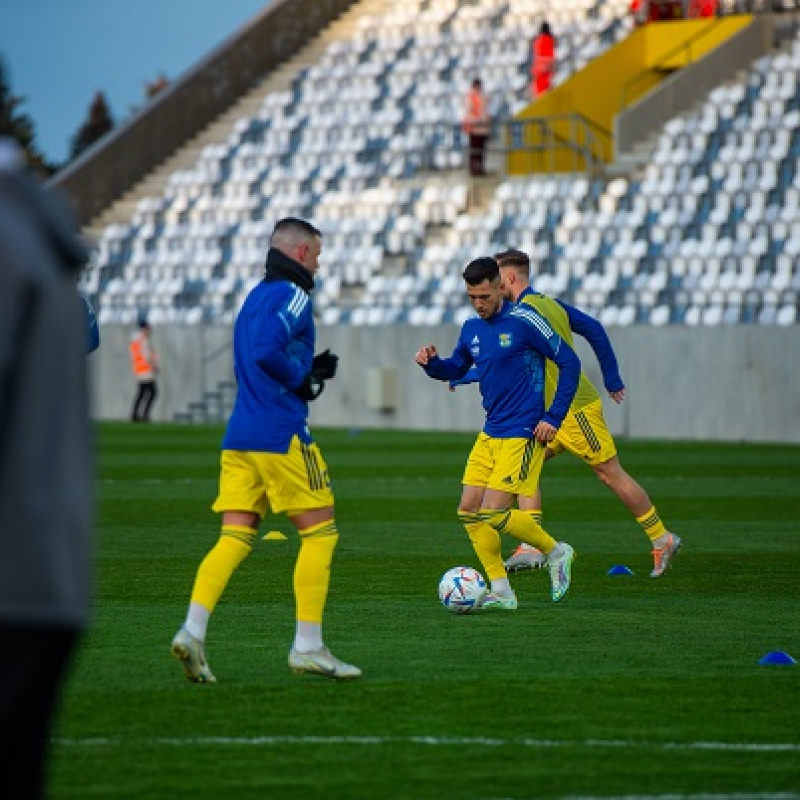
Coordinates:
597 93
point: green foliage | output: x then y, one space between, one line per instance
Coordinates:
98 123
630 686
17 125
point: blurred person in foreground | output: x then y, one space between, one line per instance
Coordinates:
269 461
45 468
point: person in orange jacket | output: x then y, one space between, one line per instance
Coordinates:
144 364
544 58
476 124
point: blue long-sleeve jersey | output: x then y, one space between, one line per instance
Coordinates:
584 325
595 334
508 351
273 347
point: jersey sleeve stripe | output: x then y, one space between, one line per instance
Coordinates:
535 319
298 302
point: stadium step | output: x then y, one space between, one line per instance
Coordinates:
214 406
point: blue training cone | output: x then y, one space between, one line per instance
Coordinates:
777 657
620 569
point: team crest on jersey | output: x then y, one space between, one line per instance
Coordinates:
475 347
506 339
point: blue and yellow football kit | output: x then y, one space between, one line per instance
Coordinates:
269 462
509 351
584 432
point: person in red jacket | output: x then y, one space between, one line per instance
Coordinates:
702 8
543 63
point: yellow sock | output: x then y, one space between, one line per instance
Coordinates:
651 524
537 515
486 542
234 545
520 525
312 570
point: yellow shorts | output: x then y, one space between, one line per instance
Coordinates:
508 465
278 482
584 433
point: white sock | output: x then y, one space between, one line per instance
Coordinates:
502 586
197 621
308 636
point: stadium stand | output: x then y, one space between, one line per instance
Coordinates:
365 140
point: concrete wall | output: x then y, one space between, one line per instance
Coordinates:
736 384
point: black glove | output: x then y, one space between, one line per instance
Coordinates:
323 368
311 387
324 365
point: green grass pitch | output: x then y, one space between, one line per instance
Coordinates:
628 687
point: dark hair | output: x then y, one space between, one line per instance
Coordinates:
480 270
513 258
296 224
545 30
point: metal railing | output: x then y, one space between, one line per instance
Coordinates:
554 143
558 143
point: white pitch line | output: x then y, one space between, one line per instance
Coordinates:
431 741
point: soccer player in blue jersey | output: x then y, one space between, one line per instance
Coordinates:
269 462
509 346
584 432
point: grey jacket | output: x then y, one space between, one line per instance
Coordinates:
45 450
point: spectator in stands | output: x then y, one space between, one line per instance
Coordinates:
638 11
45 468
476 124
152 88
543 61
701 8
145 367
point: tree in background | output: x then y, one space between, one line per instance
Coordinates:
97 125
19 126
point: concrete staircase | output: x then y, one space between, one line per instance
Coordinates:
215 405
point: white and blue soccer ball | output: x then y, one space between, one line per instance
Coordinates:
462 589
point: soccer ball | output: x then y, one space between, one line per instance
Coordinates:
462 589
